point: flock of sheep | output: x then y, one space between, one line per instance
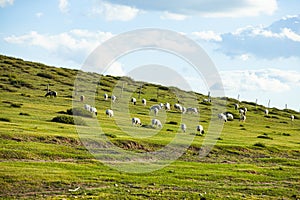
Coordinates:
156 108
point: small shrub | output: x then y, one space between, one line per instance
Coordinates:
265 136
283 122
79 112
16 105
170 130
110 135
267 126
44 75
259 144
25 114
286 134
172 122
68 120
3 119
154 100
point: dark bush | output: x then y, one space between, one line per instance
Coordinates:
45 75
4 119
259 144
25 114
16 105
172 122
79 112
68 120
265 136
154 100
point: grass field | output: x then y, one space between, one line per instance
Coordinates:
42 159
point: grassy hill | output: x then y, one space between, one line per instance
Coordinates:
43 159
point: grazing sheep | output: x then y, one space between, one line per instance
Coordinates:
136 121
82 98
292 118
93 110
243 118
183 110
243 111
161 105
51 94
144 102
183 127
105 97
167 106
266 112
200 129
155 107
229 116
222 117
133 100
155 110
178 106
192 110
236 106
113 98
109 113
156 123
206 100
87 107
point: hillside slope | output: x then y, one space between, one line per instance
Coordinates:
39 158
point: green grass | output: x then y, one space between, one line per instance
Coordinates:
41 159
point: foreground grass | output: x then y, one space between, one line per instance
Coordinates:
41 159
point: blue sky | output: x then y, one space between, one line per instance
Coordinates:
255 44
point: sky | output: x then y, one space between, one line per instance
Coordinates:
254 44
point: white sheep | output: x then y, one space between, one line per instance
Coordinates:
93 110
144 102
113 98
109 113
155 107
242 111
167 106
178 106
206 100
266 112
292 117
229 116
133 100
236 106
136 121
222 117
105 97
243 118
200 129
87 107
183 110
192 110
155 110
183 127
161 105
156 123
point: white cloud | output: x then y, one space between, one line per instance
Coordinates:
207 35
172 16
115 69
4 3
63 6
39 14
272 80
74 41
291 35
213 8
113 12
279 40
